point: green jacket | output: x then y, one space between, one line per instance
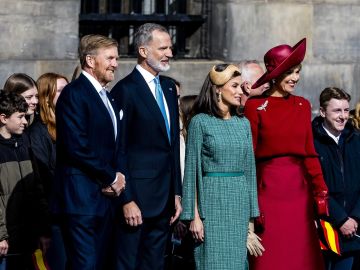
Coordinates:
24 215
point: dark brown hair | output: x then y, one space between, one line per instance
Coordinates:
185 105
207 100
19 83
332 92
10 103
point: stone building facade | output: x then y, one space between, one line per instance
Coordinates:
42 35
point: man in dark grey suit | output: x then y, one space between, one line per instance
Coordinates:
149 150
87 171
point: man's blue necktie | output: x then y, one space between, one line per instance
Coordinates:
105 100
160 102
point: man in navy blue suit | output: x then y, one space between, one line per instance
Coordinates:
87 171
149 151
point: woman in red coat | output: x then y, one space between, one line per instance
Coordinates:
288 169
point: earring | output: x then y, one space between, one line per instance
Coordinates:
219 97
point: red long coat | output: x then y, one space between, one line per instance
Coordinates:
288 171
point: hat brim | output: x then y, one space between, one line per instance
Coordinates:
295 58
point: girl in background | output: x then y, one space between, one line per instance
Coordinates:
185 106
23 84
42 134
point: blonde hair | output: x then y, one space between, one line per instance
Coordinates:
356 116
47 87
89 44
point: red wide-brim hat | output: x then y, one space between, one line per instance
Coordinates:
280 59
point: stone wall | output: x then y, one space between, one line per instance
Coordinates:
246 29
34 32
42 35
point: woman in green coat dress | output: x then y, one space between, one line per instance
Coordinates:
219 193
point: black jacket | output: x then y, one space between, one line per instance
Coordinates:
341 168
24 211
44 149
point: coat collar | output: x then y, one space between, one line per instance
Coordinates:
320 133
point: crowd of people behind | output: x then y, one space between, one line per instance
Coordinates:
136 178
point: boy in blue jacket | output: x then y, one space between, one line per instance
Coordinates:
338 145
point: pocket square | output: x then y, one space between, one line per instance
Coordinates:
121 114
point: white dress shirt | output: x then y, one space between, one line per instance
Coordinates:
149 78
98 88
335 138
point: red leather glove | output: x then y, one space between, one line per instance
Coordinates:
321 201
259 223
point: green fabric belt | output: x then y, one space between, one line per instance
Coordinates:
223 174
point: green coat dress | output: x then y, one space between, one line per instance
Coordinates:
225 202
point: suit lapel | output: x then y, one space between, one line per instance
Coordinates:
95 97
149 100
